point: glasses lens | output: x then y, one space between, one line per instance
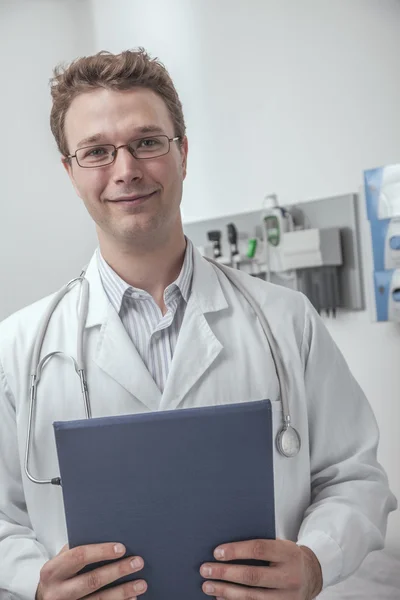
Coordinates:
150 147
95 156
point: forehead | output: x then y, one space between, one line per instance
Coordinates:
115 115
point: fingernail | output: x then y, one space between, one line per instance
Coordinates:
206 571
139 587
219 553
209 588
136 563
119 549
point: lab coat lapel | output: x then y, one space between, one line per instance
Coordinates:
197 346
117 356
115 353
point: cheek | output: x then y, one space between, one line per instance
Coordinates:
169 174
90 185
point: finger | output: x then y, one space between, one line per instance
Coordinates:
274 551
87 583
64 549
237 592
120 592
264 577
69 563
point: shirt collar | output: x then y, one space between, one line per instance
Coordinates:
116 288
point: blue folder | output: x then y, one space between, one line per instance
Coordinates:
171 486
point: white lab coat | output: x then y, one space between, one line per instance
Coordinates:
333 497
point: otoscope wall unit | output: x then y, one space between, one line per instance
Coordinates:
312 247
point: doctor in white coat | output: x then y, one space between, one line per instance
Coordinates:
119 126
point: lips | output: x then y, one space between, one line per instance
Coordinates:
134 198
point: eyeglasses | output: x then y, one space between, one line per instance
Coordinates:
105 154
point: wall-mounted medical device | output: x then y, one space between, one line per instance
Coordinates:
315 255
387 295
312 247
276 222
308 248
382 196
385 238
215 238
382 191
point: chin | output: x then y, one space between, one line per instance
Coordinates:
139 231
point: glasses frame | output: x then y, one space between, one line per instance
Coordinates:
116 148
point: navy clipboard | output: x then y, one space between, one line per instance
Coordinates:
170 486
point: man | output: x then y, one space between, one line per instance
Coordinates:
119 126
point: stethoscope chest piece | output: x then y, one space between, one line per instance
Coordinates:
288 442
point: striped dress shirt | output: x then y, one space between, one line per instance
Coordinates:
155 336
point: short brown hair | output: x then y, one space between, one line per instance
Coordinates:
130 69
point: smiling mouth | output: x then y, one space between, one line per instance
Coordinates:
134 199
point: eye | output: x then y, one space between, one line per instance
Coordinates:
149 143
97 152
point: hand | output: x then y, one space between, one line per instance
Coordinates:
59 579
294 572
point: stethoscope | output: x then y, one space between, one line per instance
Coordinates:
287 440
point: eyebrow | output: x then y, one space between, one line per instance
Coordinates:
98 137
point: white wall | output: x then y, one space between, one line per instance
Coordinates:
279 95
40 217
293 97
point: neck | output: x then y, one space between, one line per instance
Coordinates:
151 270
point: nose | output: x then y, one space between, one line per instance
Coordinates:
127 168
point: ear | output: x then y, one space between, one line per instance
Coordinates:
68 167
184 154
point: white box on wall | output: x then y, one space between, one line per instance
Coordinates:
311 248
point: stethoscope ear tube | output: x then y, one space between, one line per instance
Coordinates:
37 365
